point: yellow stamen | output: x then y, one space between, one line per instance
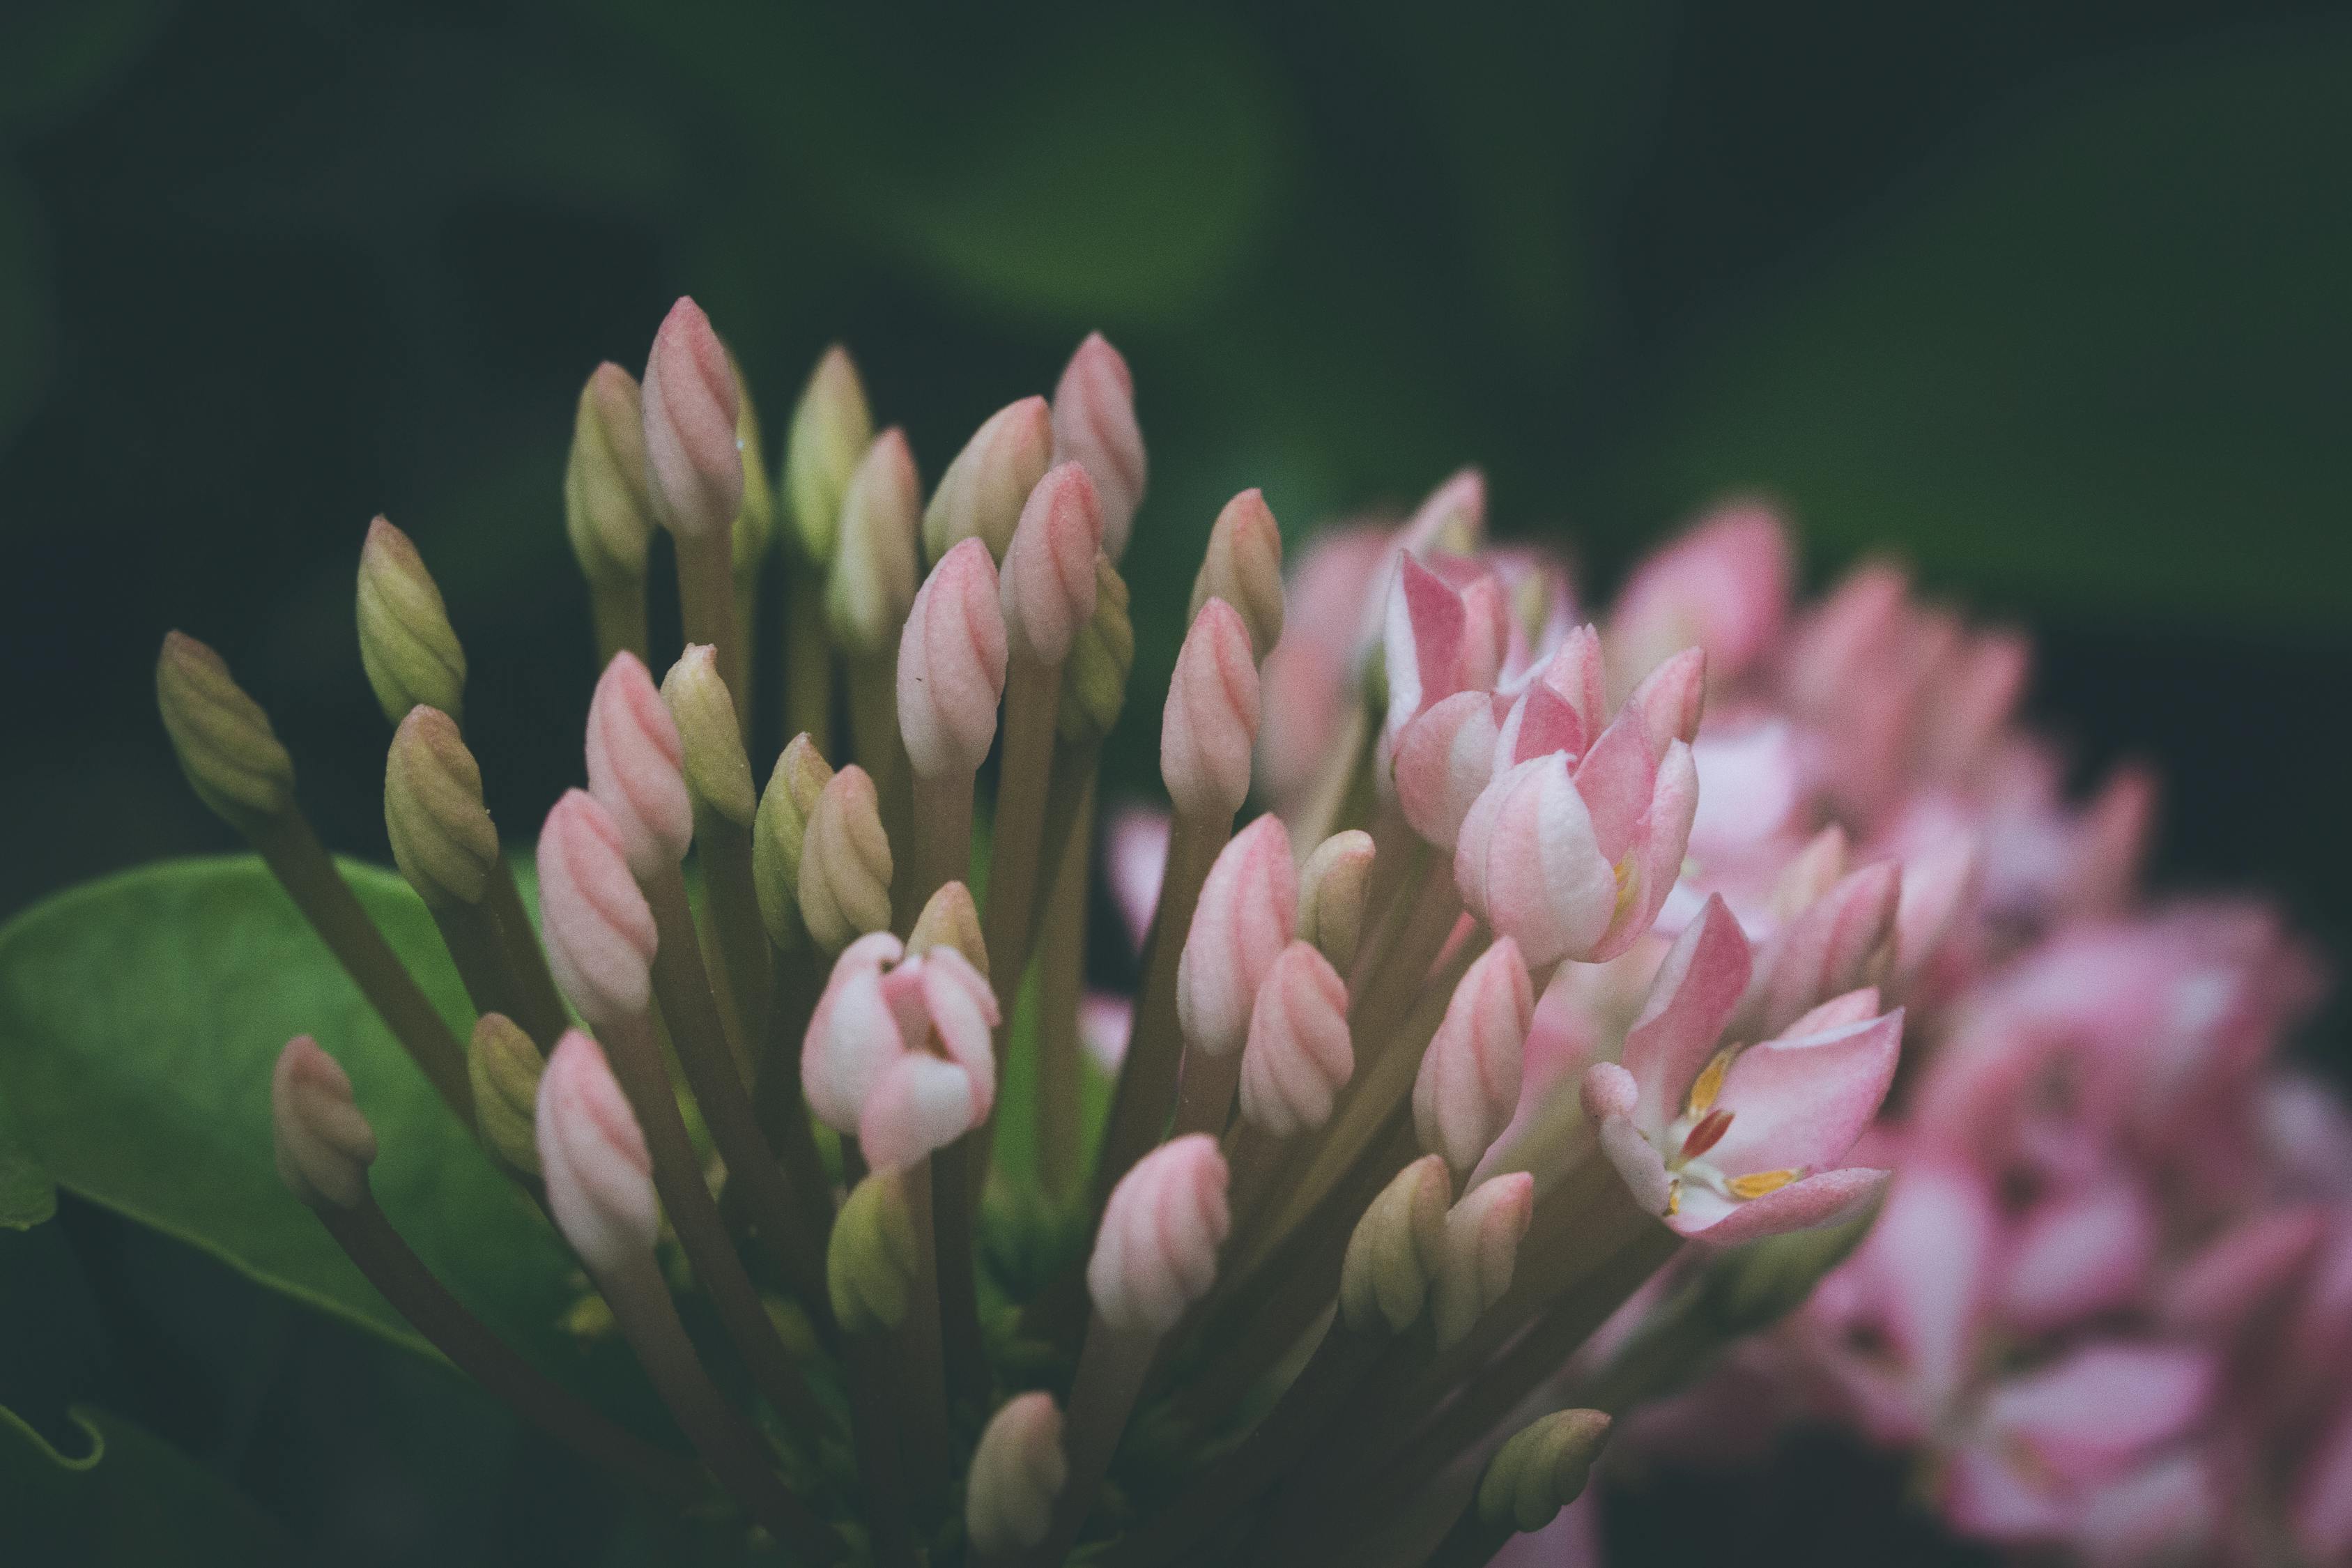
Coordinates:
1710 1080
1674 1198
1762 1182
1628 881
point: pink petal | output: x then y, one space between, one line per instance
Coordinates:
2083 1254
1540 720
2101 1406
918 1104
1671 698
1575 672
1427 632
1617 778
1443 759
2323 1499
1799 1104
1819 1200
1692 996
1528 865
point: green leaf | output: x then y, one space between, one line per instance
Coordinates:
28 1195
132 1499
2098 370
140 1019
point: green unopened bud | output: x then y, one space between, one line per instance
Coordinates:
1331 895
875 575
950 919
1242 566
982 492
505 1067
831 429
441 833
717 771
411 651
1397 1249
607 510
777 833
1094 680
845 863
226 744
1541 1469
870 1262
755 525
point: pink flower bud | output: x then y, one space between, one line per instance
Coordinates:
872 583
1247 911
899 1049
1242 566
980 495
1094 424
951 665
1576 671
1529 863
1298 1054
323 1144
1485 631
1469 1080
1017 1472
1156 1253
1937 885
694 466
599 1188
1670 698
1444 759
1332 888
1047 585
1843 941
1481 1251
1424 644
636 766
599 931
1453 518
1723 587
1210 721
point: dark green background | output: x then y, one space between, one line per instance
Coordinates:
2055 299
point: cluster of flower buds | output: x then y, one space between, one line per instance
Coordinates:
1484 1019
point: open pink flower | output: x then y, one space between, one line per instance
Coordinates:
1743 1141
899 1049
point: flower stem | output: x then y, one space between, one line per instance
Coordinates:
875 742
922 1369
783 1114
881 1475
808 658
727 1443
941 830
1111 1370
636 1062
684 990
1261 1460
1061 981
738 950
706 600
301 863
1032 697
373 1243
1146 1079
619 609
543 1016
952 1208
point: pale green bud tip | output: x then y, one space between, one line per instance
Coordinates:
505 1067
1541 1469
755 525
1331 895
1094 681
845 863
831 429
875 574
717 770
1242 566
870 1261
607 510
950 919
777 833
411 651
225 740
442 837
1397 1249
982 492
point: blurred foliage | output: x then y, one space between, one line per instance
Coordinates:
2048 298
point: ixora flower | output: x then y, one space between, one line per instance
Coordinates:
1490 957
